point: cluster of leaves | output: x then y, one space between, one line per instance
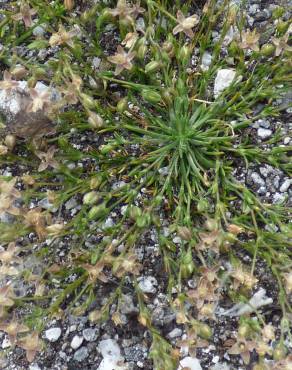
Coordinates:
167 142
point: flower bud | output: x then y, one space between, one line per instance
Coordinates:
10 141
90 198
280 352
152 66
95 182
282 27
167 96
143 220
205 331
97 211
87 101
151 96
211 224
135 212
142 50
202 205
122 105
168 48
183 54
95 120
107 148
267 50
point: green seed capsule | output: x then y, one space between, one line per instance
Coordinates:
202 205
183 54
267 50
151 96
282 27
205 331
142 50
122 105
152 66
87 101
280 352
135 212
90 198
143 220
97 211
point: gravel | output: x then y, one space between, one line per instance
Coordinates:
53 334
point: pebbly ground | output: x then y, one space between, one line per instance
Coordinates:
75 343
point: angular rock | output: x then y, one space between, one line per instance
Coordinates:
17 119
53 334
223 79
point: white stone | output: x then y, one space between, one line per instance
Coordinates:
220 366
285 186
111 354
264 133
176 332
53 334
206 61
258 300
223 79
76 342
6 343
148 284
190 363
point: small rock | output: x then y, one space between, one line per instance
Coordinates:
126 305
257 179
285 186
190 363
223 79
38 31
34 367
90 334
81 354
220 366
206 61
53 334
111 354
176 332
264 133
6 343
148 284
76 342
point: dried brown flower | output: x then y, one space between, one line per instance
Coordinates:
122 59
10 254
281 44
243 348
31 344
40 100
126 264
36 219
25 15
249 40
122 10
95 272
62 37
242 277
7 83
47 159
185 25
12 328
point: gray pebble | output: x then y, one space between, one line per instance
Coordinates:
81 354
90 334
53 334
264 133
